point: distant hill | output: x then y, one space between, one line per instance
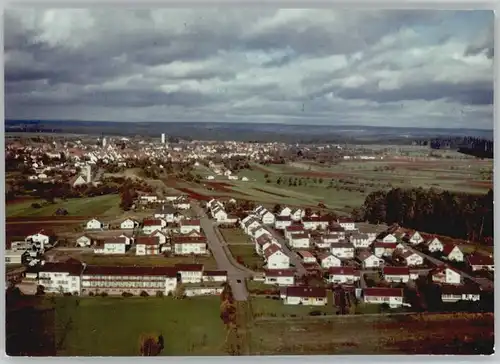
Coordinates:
245 131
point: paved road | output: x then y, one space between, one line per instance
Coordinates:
483 282
294 259
216 246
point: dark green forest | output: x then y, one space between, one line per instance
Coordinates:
458 215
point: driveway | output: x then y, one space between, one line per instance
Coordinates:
223 263
294 259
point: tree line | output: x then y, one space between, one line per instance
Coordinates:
458 215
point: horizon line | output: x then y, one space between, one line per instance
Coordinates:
244 122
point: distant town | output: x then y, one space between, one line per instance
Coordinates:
256 241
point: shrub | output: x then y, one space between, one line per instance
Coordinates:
67 294
159 294
104 294
144 294
127 294
91 294
315 313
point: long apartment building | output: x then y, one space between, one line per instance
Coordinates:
76 277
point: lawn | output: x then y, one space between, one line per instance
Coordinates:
247 255
112 326
107 205
95 259
267 307
235 236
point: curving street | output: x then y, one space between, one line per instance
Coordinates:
235 276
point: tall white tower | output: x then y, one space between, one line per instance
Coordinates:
163 138
104 142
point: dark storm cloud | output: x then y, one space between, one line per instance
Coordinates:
251 62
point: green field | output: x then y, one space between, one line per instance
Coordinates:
235 236
266 307
112 326
107 205
247 255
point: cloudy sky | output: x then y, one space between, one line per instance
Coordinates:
396 68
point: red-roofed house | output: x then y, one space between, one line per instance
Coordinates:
292 229
281 277
453 252
415 238
396 274
392 296
343 250
300 240
343 275
384 249
113 245
282 222
454 293
328 260
446 275
275 258
479 261
347 223
147 245
186 245
189 225
303 295
306 256
434 245
150 225
263 242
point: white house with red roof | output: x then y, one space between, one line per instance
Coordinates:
328 260
281 277
381 249
477 261
343 250
343 275
435 245
388 238
304 295
360 240
150 225
275 258
129 224
263 242
94 224
415 238
113 245
313 223
187 245
447 275
347 223
410 258
292 229
306 257
160 235
285 211
453 253
369 260
379 295
300 240
297 214
267 217
282 222
147 245
396 274
188 225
